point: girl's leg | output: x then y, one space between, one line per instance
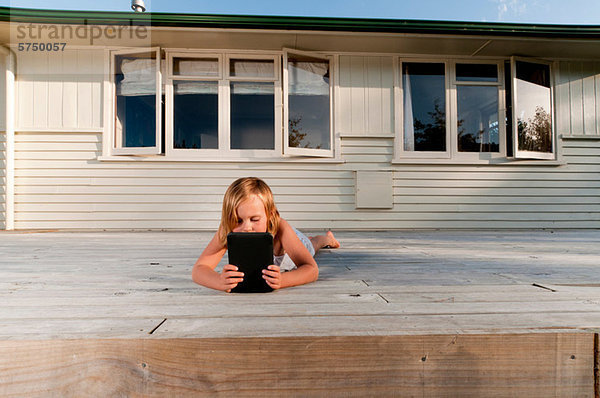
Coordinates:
321 241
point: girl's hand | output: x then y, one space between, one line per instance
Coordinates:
273 276
230 277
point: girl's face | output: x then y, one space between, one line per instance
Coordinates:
251 216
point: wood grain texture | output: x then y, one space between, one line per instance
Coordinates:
532 365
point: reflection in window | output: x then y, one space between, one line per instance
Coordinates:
135 83
424 106
252 115
478 119
533 107
308 102
195 118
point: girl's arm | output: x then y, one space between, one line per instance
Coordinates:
307 270
204 272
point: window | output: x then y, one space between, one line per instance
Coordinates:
532 105
252 104
424 100
463 110
308 105
137 84
221 104
477 106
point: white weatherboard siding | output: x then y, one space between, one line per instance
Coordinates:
366 95
2 142
2 180
578 98
60 90
60 183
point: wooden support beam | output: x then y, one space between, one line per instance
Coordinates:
531 365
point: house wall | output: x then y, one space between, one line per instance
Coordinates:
60 91
60 183
578 98
2 143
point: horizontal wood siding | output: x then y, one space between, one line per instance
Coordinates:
495 196
578 98
366 95
2 180
60 90
60 184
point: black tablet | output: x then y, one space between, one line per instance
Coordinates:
251 252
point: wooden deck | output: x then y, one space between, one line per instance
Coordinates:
402 313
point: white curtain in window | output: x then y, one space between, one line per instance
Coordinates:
249 68
182 88
409 127
139 77
308 78
198 67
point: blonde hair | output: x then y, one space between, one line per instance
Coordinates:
240 190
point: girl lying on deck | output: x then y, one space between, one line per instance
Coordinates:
248 206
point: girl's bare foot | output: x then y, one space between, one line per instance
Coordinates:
332 241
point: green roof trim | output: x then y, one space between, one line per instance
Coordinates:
23 15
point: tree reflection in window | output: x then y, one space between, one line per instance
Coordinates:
535 133
533 107
424 106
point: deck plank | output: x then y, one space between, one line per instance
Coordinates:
394 282
394 313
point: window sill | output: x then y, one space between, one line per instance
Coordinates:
159 158
491 162
580 137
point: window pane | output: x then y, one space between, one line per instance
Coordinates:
478 119
251 68
252 115
195 115
308 103
532 107
424 107
196 67
135 81
476 72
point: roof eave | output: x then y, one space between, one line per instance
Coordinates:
22 15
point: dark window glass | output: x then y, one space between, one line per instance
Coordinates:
476 72
195 115
424 106
135 83
509 113
537 74
478 119
252 115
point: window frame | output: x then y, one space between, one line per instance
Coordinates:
452 155
502 133
312 152
116 147
224 104
399 128
170 151
520 154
